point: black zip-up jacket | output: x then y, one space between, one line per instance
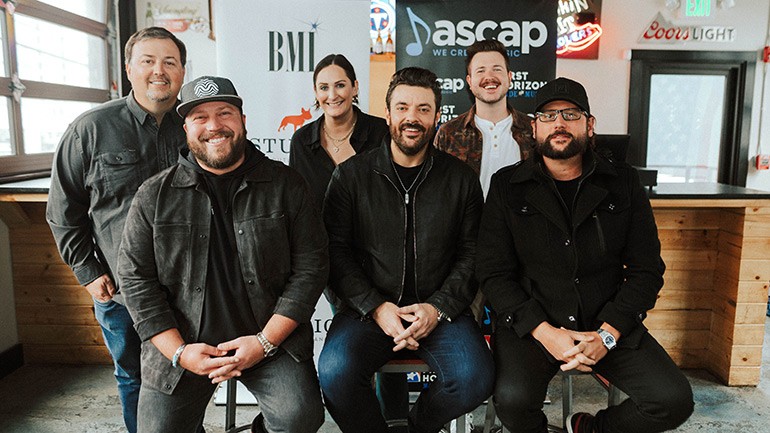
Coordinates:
365 217
537 264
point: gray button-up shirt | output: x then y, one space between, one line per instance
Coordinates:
103 157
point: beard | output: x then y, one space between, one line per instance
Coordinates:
156 96
396 133
218 159
576 146
160 95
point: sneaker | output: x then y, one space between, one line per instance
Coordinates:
580 422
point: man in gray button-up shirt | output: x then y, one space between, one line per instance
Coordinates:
103 157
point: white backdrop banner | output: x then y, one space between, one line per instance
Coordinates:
269 50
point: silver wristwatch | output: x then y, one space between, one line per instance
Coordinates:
607 339
269 348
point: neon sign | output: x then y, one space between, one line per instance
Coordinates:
578 39
579 29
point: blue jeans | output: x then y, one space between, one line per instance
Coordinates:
125 348
354 350
286 390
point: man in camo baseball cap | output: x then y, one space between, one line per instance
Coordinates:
207 89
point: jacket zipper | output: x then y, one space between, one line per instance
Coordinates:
403 272
414 213
414 224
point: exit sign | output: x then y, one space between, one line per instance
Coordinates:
697 8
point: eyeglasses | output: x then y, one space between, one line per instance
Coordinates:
568 114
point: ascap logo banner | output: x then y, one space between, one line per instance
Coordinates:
436 34
579 26
269 50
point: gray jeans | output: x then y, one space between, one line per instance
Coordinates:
287 392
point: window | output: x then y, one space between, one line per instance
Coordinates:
56 62
689 114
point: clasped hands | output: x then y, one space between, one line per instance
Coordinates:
578 350
422 318
206 360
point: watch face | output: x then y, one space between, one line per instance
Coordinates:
609 340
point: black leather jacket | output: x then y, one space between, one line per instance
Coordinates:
364 213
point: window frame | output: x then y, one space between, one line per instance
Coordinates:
25 166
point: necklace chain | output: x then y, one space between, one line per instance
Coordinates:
406 190
338 140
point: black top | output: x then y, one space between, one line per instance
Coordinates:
568 190
309 158
226 308
408 177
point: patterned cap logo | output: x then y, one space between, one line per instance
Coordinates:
206 87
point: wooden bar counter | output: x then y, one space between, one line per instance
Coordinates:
710 313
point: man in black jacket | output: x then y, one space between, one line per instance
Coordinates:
402 222
569 258
222 260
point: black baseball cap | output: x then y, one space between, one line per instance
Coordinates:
562 89
207 89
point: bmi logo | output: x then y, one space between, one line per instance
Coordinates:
291 51
297 120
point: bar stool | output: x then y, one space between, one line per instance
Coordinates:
614 397
418 366
231 404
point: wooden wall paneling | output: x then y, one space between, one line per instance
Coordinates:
691 259
695 299
686 218
66 354
35 273
61 334
678 239
680 319
52 294
54 313
688 358
744 376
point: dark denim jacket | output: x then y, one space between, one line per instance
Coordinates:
282 249
364 213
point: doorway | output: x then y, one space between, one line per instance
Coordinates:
689 114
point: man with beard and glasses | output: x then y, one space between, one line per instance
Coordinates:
102 158
402 222
569 258
492 134
222 261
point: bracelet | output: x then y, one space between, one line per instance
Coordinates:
177 355
441 315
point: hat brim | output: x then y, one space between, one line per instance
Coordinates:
185 107
562 98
